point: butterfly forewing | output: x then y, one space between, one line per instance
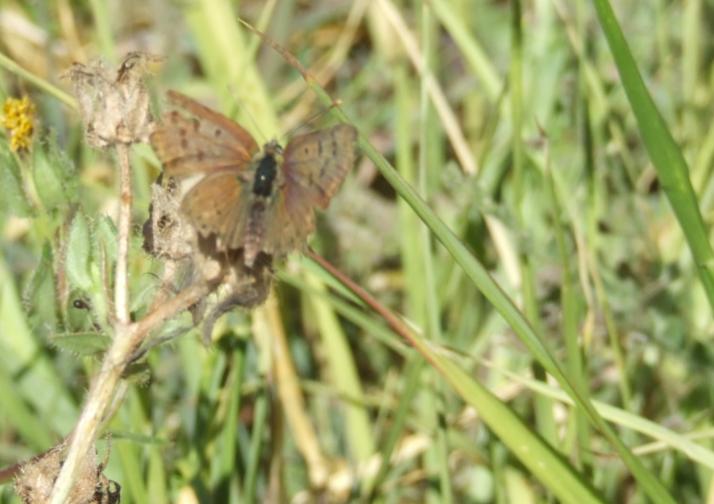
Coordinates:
205 141
240 135
314 166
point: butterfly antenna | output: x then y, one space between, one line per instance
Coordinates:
287 56
291 60
310 120
239 105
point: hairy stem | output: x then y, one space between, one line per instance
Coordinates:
121 286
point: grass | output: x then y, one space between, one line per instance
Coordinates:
578 250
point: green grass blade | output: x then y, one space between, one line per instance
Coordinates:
473 53
260 425
103 23
344 374
437 456
544 462
493 292
665 154
214 24
694 451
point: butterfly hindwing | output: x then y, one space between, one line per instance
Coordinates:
216 205
205 141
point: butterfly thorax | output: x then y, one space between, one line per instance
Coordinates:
265 176
267 170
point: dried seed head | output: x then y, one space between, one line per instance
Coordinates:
166 232
37 477
114 107
170 237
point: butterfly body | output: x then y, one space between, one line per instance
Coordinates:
266 171
260 201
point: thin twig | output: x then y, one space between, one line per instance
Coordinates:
126 340
121 285
394 322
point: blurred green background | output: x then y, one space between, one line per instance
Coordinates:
526 147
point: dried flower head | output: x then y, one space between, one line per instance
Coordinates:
166 232
114 105
170 237
19 120
34 482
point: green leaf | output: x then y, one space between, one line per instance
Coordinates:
39 293
48 181
78 253
107 237
20 415
82 343
13 198
65 169
33 373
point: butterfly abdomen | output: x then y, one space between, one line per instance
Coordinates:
255 230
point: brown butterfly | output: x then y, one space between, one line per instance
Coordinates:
257 201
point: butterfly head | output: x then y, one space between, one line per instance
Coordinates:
274 149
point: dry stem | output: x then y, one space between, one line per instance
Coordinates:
121 286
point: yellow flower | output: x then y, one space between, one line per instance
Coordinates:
19 118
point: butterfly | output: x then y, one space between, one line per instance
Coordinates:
257 201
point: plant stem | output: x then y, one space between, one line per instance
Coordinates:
126 340
121 286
